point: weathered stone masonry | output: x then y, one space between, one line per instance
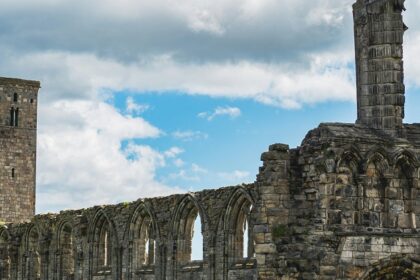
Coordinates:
343 205
18 107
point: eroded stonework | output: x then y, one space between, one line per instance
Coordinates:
343 205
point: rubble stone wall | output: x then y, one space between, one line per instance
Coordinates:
109 242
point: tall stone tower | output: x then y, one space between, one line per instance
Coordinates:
379 30
18 120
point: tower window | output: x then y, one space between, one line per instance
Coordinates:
13 173
14 117
15 97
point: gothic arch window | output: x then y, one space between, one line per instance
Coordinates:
346 190
66 252
184 233
143 242
239 237
374 193
33 257
5 260
102 241
404 177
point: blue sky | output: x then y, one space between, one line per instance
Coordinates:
148 98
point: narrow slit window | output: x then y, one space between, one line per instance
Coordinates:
196 240
14 117
13 173
15 97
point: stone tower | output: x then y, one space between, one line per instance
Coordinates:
379 30
18 120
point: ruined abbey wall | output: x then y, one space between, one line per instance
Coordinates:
145 239
343 205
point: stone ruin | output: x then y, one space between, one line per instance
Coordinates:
343 205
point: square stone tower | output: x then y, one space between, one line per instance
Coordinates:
18 122
379 30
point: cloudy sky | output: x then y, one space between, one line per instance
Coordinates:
151 97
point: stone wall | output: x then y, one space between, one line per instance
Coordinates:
343 205
354 201
17 149
145 239
379 31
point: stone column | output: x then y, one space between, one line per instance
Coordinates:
378 32
271 212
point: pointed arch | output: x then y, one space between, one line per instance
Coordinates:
402 267
187 211
104 248
65 251
407 159
143 237
5 258
238 236
350 158
376 181
379 157
33 253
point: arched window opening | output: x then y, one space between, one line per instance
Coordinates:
15 97
248 240
150 247
245 253
406 216
374 197
102 247
243 244
239 242
33 256
66 253
143 244
188 227
5 261
196 240
14 117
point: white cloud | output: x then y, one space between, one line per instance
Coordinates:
189 135
173 152
179 162
135 108
328 78
184 175
232 112
198 169
81 162
412 58
234 176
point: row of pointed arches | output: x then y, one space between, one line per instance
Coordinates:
151 245
383 185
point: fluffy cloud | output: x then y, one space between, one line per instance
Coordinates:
234 176
193 30
135 108
189 135
254 49
81 161
232 112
